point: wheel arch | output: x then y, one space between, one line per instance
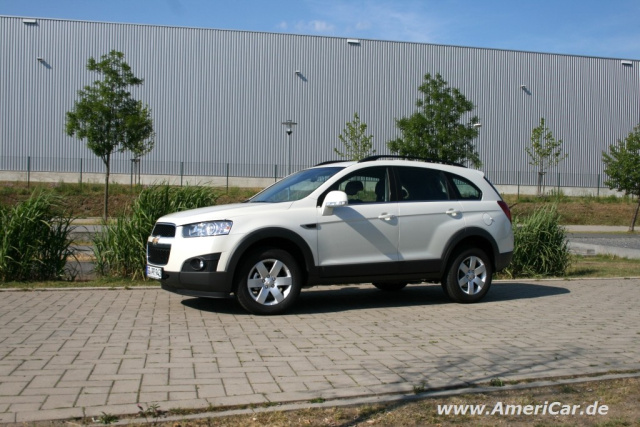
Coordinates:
280 238
467 238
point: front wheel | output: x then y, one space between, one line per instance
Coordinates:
268 282
468 276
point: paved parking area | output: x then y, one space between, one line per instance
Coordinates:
78 353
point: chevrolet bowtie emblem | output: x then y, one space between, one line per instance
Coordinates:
155 240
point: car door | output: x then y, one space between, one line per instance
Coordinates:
361 238
427 218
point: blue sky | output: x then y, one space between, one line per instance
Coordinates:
604 28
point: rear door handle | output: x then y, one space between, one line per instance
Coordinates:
453 212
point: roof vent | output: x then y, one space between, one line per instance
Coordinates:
353 41
626 63
29 21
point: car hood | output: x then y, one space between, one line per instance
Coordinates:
223 212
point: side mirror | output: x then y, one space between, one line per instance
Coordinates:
333 200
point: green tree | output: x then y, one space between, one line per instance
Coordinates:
436 130
357 144
108 117
545 151
622 165
141 146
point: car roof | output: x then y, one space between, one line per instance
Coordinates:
394 157
394 160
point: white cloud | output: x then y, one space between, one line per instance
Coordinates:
378 19
313 27
362 26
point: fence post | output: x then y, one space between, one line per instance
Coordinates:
181 172
80 173
519 178
558 184
598 186
227 172
28 170
275 173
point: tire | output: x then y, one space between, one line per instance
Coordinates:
468 276
444 288
390 286
268 282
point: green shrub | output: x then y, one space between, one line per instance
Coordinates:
540 245
35 241
120 248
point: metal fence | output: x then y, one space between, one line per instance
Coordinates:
182 169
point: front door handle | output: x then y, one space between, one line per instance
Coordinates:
386 217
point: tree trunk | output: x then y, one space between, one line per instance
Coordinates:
635 216
541 183
106 188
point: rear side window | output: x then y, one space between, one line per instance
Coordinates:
421 184
465 188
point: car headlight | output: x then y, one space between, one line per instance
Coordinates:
209 228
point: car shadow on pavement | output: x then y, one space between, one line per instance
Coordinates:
348 298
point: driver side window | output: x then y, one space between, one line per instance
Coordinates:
370 185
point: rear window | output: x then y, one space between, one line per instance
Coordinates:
466 189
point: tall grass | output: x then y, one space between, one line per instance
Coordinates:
540 245
35 242
120 248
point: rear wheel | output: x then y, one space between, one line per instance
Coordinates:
468 276
268 282
390 286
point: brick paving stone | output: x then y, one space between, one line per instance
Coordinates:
7 417
211 390
265 388
51 414
121 398
152 397
20 408
182 395
62 399
105 350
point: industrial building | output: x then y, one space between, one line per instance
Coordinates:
219 98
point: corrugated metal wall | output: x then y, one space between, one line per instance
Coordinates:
219 97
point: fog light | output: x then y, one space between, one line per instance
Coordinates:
198 264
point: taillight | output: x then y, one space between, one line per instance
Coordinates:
505 209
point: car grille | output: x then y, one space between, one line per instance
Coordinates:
164 230
158 253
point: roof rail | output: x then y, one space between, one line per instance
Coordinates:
328 162
422 159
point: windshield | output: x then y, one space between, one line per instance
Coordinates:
296 186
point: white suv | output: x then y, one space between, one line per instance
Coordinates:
381 220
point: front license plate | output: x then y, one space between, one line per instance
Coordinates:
154 272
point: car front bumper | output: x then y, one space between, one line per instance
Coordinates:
197 284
